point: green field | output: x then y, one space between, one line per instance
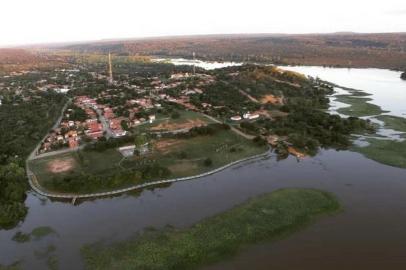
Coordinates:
392 153
92 162
393 122
165 122
359 106
182 157
216 238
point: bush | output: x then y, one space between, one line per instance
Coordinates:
208 162
175 115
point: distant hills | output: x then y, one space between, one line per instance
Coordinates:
343 49
387 50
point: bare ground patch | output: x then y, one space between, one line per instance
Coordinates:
164 146
167 125
271 99
183 167
60 165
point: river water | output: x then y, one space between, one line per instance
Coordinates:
369 234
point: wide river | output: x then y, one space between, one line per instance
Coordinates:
369 234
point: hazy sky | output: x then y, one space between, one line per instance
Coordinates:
37 21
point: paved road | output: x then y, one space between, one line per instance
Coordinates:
105 124
237 131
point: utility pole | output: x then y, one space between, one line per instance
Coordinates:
110 79
194 67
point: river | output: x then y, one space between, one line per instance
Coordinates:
369 234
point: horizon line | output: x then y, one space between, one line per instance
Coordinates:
106 40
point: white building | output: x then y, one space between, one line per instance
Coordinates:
250 116
151 118
62 90
235 118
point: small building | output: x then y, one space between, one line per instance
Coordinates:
119 133
151 118
250 116
236 118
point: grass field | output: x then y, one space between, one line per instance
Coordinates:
392 153
84 161
183 157
359 106
186 119
260 219
393 122
186 156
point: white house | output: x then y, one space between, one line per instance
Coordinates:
62 90
250 116
151 118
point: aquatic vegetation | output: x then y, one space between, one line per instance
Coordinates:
393 122
359 106
21 237
262 218
392 153
40 232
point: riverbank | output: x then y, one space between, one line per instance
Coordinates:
42 191
263 218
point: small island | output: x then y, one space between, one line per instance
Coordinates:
403 76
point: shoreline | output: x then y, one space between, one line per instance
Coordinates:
32 180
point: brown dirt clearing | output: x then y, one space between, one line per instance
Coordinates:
61 165
175 126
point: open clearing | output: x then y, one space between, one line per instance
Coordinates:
186 120
61 165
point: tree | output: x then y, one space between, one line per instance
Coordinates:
13 184
208 162
139 141
124 125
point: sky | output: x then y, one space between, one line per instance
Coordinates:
44 21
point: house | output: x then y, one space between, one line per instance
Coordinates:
236 118
119 133
151 118
250 116
94 127
94 135
62 90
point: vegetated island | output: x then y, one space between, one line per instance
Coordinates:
260 219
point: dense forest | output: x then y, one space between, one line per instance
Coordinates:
22 126
300 119
341 49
